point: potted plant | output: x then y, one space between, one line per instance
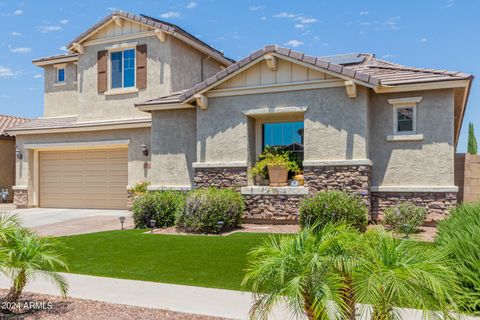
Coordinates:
277 165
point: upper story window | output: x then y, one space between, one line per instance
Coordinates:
405 115
60 74
122 66
288 135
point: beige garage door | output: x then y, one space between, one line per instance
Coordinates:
95 179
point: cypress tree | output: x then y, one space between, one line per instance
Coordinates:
472 141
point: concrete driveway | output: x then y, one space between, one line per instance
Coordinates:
62 222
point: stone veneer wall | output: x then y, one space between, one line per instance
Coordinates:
352 178
220 177
261 208
20 198
437 203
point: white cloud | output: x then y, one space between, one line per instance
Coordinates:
263 18
450 3
49 28
20 50
63 48
294 43
16 34
192 5
256 8
391 23
423 40
17 12
387 56
364 13
112 9
170 15
299 26
7 72
64 21
37 76
285 15
305 20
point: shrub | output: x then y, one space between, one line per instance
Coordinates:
405 217
459 235
161 206
334 206
206 207
140 188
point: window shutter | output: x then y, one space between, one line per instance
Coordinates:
142 66
102 71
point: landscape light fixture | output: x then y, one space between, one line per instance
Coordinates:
152 225
122 220
220 225
145 150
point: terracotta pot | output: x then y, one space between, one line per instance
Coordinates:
300 179
278 176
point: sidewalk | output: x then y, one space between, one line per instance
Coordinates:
212 302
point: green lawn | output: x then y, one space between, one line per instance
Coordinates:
207 261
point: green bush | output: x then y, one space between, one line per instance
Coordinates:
405 217
334 206
161 206
459 235
206 207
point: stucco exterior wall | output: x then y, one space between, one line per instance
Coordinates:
60 99
414 163
335 125
94 105
137 170
173 150
7 165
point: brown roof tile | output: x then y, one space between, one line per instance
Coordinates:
8 122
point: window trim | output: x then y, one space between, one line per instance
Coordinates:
401 103
109 68
58 67
75 80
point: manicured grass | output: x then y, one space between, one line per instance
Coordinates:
207 261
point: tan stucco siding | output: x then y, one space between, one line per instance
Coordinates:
173 151
7 165
186 65
60 100
137 170
335 125
94 105
414 163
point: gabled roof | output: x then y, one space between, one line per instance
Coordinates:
361 68
67 57
7 122
167 27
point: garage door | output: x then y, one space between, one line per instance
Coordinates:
94 179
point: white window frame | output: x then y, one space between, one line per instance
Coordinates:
75 81
402 103
118 49
58 67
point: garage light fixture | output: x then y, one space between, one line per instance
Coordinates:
19 154
145 150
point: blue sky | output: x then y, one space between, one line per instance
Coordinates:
440 34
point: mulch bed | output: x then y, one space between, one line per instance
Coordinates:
249 228
56 308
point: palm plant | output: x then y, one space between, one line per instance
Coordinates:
8 225
395 273
301 271
28 256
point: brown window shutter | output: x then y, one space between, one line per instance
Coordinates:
142 66
102 71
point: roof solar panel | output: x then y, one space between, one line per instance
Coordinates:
349 58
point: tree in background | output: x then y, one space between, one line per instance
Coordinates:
472 141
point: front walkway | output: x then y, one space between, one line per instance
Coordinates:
206 301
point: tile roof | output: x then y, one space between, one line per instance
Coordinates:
155 23
72 122
7 122
56 57
364 68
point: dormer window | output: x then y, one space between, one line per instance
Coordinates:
60 73
122 66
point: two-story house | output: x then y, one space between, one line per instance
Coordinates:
142 100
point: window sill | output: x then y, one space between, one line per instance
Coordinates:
120 91
274 191
405 137
59 84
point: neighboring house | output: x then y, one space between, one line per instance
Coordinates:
142 100
7 154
